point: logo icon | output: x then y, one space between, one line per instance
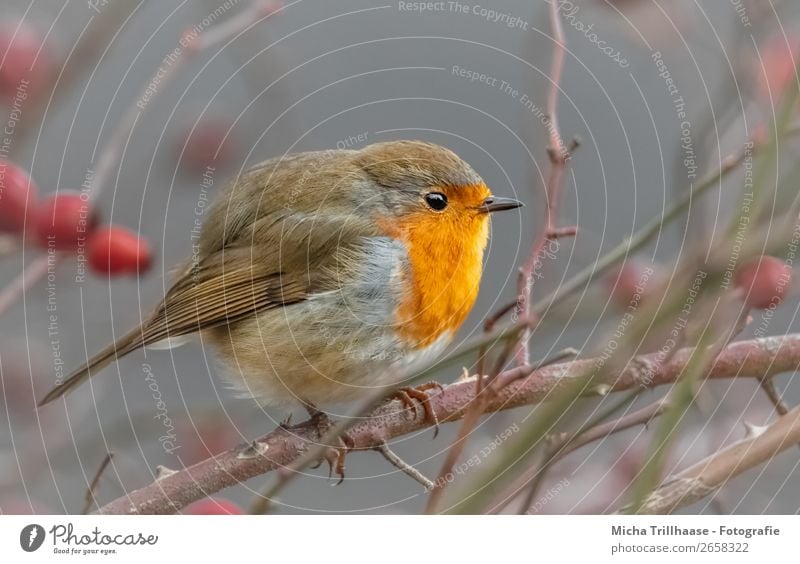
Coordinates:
31 537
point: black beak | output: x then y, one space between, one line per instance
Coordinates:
495 204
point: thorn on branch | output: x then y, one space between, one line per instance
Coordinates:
562 232
163 472
253 450
559 155
601 389
753 431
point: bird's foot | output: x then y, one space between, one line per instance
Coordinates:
334 455
420 393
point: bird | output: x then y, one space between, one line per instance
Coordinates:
317 274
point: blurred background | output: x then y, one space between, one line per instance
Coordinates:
315 74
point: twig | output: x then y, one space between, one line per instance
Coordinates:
707 476
640 238
89 497
558 163
31 274
768 385
566 443
281 447
684 393
404 466
643 416
484 391
488 326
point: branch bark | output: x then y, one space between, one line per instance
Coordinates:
526 386
559 155
709 475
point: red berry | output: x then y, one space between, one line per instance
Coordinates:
116 250
630 284
208 144
21 58
213 506
64 220
17 197
269 8
778 56
764 281
23 506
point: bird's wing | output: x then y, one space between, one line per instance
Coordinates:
232 284
224 288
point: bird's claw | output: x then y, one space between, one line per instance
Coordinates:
334 455
420 393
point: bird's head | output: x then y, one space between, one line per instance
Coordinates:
427 189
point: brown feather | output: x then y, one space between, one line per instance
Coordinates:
202 298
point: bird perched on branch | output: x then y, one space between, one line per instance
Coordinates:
318 271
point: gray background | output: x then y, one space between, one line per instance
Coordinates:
334 70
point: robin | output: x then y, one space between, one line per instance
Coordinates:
318 271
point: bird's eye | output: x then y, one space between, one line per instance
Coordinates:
436 200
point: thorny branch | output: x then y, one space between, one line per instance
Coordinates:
709 475
559 156
527 386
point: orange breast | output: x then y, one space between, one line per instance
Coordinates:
445 254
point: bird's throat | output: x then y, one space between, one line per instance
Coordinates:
445 262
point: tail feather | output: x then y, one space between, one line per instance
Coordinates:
120 348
